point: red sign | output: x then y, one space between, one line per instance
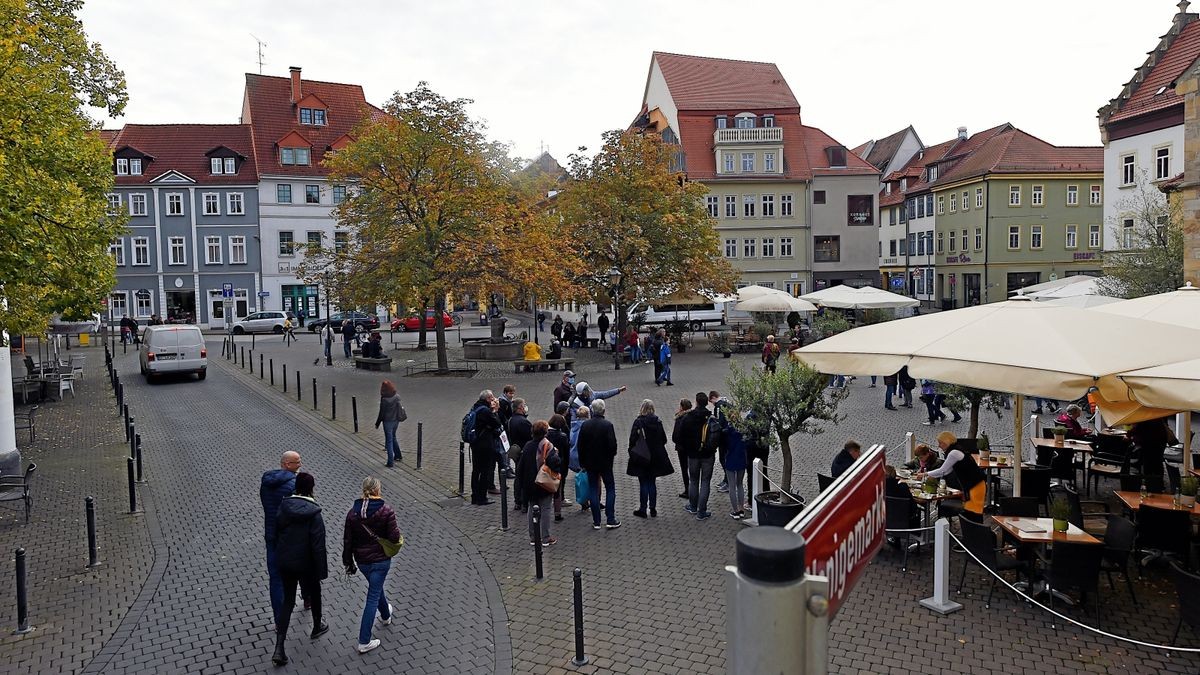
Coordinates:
843 528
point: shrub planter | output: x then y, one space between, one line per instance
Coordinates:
1060 525
775 510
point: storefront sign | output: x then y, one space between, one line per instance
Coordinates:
860 209
958 259
1085 256
843 528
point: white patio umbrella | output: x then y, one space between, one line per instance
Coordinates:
1054 284
1175 385
1082 301
1018 346
866 297
775 302
1088 287
754 291
1179 307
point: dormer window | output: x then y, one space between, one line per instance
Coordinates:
745 121
315 116
933 174
722 122
768 120
135 166
293 156
122 166
223 165
836 155
903 184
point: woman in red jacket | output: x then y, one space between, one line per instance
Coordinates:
369 520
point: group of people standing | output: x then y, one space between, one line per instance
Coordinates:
294 531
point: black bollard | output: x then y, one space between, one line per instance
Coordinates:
137 456
120 392
314 393
580 659
132 486
462 469
90 509
23 626
253 340
333 401
243 356
124 347
260 368
272 363
132 437
503 499
284 377
298 390
354 411
251 362
537 541
125 413
420 441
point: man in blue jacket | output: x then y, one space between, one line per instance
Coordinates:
276 485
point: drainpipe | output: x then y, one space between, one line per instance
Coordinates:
987 238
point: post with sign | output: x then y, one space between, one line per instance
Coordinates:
227 302
779 612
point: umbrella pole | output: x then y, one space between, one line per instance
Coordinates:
1018 441
1183 430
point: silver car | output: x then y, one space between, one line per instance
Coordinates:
261 322
173 348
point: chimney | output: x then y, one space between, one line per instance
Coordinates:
962 131
296 92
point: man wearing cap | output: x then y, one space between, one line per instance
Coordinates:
970 477
584 396
565 389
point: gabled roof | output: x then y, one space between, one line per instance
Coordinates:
815 143
704 83
1014 151
272 116
880 153
109 135
696 137
183 148
1177 50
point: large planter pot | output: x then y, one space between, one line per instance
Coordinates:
1058 441
774 511
727 353
1060 525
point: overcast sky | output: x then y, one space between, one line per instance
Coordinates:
556 74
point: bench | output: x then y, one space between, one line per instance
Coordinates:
542 364
364 363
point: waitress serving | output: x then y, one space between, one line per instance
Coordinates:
970 477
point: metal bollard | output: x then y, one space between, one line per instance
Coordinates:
354 411
580 659
137 456
940 601
284 377
756 469
23 626
314 393
132 437
462 469
420 441
253 340
503 499
333 401
537 541
243 356
90 510
251 362
298 389
125 411
272 362
260 366
132 486
120 392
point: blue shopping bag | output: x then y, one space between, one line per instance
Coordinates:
582 488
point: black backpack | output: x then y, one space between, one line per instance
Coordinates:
710 435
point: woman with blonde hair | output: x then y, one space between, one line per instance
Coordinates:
370 520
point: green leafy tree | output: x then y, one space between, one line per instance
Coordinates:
437 210
831 322
970 401
1149 257
630 212
55 170
787 402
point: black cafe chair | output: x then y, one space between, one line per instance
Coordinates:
1172 478
1119 539
823 481
1035 483
1187 587
899 516
1075 566
1083 511
1163 533
979 540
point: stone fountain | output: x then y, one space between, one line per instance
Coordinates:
497 348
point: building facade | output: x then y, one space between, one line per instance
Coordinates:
793 208
191 193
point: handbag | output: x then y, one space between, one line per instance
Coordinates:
641 449
548 479
390 548
582 488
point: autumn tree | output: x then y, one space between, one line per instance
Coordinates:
55 170
1150 244
436 211
629 211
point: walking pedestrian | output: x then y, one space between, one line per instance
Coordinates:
929 398
701 453
369 521
300 553
327 332
556 327
889 383
581 331
634 342
536 452
348 335
664 357
597 450
486 425
660 337
770 354
541 319
685 406
602 323
560 435
289 330
648 433
907 384
391 414
275 486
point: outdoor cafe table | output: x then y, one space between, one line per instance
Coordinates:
1132 500
1068 444
926 500
1041 531
991 464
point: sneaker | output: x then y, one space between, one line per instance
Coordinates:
722 488
567 502
703 516
890 407
871 387
613 526
558 517
640 514
683 495
318 631
363 649
736 515
596 526
390 616
493 491
1038 411
549 541
653 513
928 424
689 508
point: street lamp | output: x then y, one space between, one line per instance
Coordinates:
614 280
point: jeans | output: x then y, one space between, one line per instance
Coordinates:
665 376
391 445
700 471
931 407
328 347
346 346
375 573
276 585
906 394
647 494
873 380
312 594
482 461
888 392
683 469
635 354
837 381
737 497
610 495
543 501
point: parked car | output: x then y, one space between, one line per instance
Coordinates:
363 322
413 322
260 322
172 349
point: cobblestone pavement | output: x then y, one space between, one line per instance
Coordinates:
654 590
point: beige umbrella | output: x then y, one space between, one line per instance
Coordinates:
1179 308
1175 386
775 302
1082 301
866 297
754 291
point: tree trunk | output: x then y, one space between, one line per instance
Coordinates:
421 341
440 328
973 428
785 447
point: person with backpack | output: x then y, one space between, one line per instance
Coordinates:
300 551
660 336
770 354
699 434
907 384
664 360
481 428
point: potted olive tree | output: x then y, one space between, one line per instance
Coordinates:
1187 491
777 406
1060 513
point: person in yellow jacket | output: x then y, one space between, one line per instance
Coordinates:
533 352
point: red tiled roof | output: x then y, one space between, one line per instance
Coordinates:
182 148
1184 50
108 135
1171 185
890 199
1014 151
273 116
703 83
696 137
815 143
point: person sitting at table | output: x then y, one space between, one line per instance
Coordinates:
892 487
1150 439
924 459
555 351
1070 419
845 459
971 478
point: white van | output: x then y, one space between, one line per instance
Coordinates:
173 348
697 316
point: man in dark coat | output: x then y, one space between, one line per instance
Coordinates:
602 324
300 553
700 458
348 334
276 484
483 448
845 458
566 389
520 432
597 450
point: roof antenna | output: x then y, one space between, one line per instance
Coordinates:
261 44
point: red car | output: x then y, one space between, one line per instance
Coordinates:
413 322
